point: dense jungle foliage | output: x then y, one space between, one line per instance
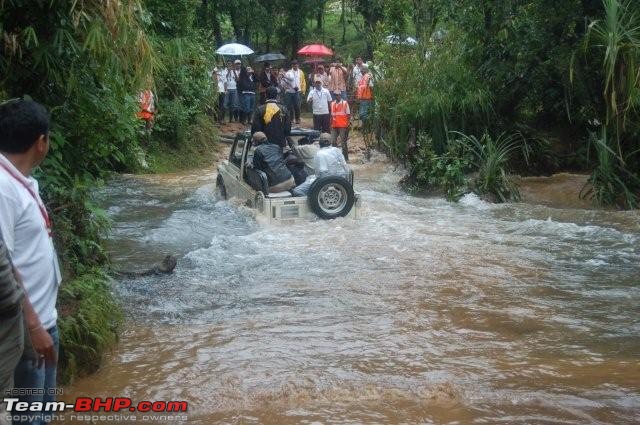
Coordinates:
490 88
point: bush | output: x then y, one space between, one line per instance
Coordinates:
88 323
490 158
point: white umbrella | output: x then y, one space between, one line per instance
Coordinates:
234 49
395 39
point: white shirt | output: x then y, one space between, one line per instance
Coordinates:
27 238
230 79
320 100
294 78
357 75
221 78
329 161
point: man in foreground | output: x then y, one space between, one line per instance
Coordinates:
26 229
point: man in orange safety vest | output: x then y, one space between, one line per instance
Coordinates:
364 93
340 117
147 108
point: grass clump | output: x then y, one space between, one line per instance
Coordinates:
89 320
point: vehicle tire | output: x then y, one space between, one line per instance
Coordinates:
331 197
220 189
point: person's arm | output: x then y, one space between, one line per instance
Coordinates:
256 123
310 97
40 338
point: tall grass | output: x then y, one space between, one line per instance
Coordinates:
490 157
614 180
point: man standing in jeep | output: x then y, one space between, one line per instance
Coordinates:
273 119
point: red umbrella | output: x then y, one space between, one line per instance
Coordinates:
315 50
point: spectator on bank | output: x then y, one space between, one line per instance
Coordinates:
232 99
297 86
340 121
26 229
319 97
267 79
219 78
247 88
338 75
364 93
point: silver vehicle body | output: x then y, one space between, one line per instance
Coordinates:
276 207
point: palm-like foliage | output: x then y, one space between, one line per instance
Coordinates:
617 38
491 157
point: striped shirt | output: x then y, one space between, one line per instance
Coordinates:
11 292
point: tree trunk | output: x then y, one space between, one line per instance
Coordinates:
343 21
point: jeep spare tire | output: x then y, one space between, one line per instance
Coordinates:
331 197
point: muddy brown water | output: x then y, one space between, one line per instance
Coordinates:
422 311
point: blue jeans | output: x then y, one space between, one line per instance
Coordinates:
248 103
27 375
231 101
364 109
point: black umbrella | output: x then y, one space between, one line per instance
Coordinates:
270 57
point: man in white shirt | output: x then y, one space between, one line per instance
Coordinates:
219 77
294 86
356 74
328 161
26 229
232 98
320 98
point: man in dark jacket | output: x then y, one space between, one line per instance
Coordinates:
272 119
268 157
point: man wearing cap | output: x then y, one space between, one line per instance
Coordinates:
268 158
272 119
232 99
340 121
247 88
296 84
328 161
320 98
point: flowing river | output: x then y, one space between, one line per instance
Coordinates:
422 311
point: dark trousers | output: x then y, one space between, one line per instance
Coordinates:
322 123
220 114
293 103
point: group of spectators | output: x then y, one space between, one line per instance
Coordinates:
328 95
290 166
29 270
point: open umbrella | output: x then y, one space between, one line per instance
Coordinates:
394 39
314 61
315 50
234 49
271 57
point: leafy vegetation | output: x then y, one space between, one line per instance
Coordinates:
89 324
531 68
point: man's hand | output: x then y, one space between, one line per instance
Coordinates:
43 345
